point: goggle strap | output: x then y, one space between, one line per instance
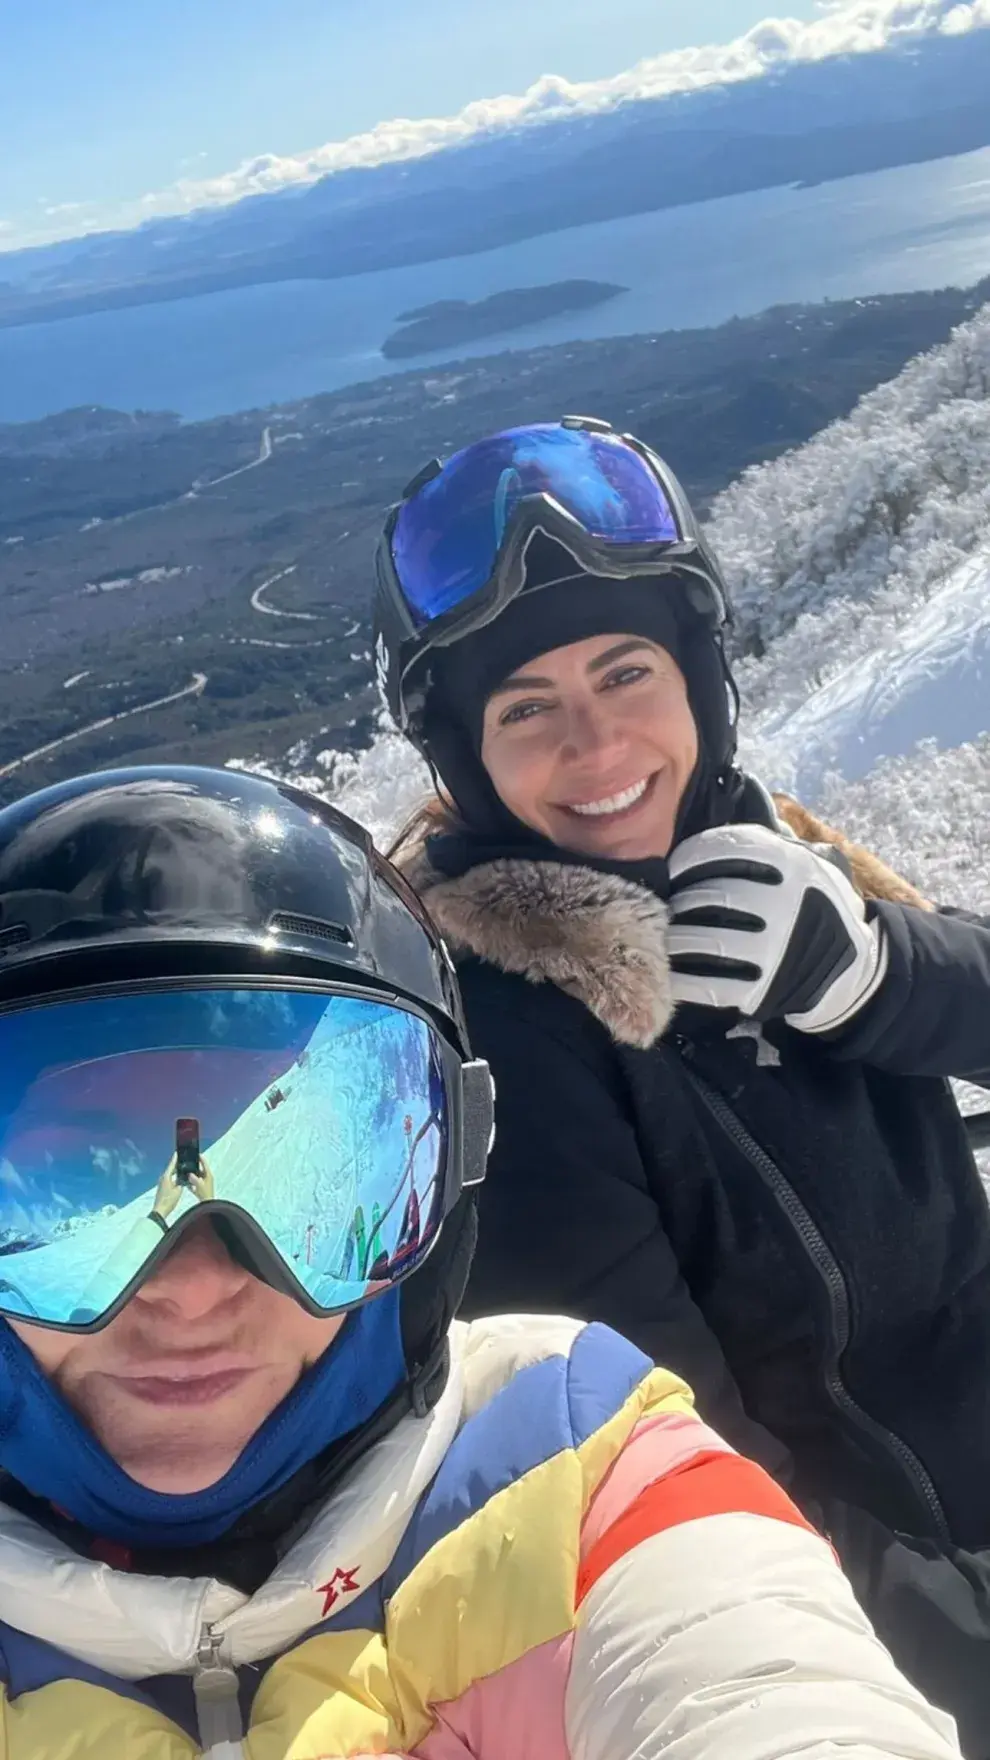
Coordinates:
429 1381
478 1114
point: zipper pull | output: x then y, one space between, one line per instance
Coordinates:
218 1710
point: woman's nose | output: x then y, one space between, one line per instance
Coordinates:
197 1277
591 731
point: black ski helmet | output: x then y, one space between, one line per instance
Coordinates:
554 578
175 872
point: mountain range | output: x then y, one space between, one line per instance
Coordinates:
922 97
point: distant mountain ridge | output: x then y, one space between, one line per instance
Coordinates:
808 123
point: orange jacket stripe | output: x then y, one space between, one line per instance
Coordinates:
713 1483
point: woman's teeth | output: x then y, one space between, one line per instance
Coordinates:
616 803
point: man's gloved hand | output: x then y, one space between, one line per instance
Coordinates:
766 925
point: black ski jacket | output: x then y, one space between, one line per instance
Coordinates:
796 1227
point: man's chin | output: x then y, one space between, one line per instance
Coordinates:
185 1469
183 1479
179 1453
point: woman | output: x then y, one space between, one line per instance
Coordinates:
720 1035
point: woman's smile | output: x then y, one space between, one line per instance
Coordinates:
593 746
620 802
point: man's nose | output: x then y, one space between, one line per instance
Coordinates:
199 1276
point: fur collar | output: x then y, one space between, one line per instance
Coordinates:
601 938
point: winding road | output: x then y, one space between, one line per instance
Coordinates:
264 454
257 603
266 450
193 689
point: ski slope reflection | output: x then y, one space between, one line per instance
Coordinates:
323 1119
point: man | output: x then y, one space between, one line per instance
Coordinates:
257 1505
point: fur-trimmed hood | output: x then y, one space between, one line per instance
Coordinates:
600 937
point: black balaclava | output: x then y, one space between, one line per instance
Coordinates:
561 604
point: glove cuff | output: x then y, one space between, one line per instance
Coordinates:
851 992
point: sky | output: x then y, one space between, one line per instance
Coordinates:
105 102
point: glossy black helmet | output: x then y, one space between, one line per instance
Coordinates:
168 868
168 874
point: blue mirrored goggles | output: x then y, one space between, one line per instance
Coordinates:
448 536
319 1131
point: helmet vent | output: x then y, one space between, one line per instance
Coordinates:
13 937
286 923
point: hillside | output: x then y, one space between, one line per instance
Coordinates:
220 571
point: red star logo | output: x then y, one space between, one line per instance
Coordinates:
341 1583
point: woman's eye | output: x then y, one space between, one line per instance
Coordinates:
626 675
521 712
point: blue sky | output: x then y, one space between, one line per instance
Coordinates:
102 101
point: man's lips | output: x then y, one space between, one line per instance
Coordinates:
196 1385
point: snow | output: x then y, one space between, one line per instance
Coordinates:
928 815
855 530
930 680
144 577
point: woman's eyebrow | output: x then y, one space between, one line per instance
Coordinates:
520 681
618 652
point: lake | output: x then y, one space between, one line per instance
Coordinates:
917 226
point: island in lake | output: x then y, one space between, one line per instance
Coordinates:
450 322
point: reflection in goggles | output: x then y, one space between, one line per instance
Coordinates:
447 536
322 1118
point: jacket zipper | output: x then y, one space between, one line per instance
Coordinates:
828 1268
218 1711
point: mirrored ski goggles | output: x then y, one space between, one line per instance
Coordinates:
450 533
320 1132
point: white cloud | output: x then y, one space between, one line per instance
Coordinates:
844 27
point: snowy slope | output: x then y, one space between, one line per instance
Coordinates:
929 680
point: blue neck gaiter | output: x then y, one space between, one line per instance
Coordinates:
52 1454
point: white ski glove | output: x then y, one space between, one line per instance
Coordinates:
766 925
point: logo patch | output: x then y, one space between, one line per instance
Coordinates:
341 1583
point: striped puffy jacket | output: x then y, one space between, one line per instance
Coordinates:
560 1561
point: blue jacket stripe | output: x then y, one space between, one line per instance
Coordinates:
549 1407
604 1370
28 1663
